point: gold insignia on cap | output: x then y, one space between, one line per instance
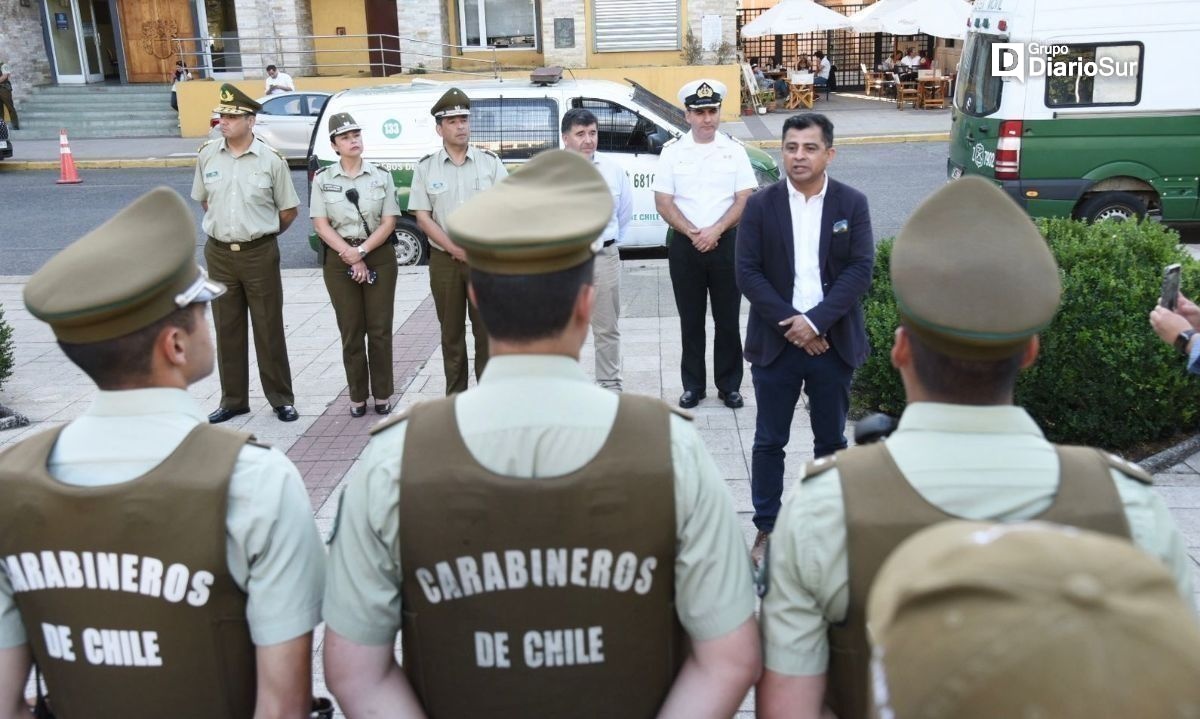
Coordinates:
705 91
226 95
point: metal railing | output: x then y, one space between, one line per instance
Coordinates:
298 54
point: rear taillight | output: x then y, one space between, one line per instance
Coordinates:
1008 151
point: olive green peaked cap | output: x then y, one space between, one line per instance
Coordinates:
236 102
341 122
995 621
453 103
130 272
543 218
973 277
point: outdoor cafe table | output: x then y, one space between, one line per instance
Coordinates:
931 86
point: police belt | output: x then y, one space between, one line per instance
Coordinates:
241 245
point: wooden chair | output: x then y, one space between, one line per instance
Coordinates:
933 95
873 81
800 95
906 92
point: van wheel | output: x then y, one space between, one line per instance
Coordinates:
1118 206
411 246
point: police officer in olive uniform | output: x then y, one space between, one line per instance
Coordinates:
974 284
544 557
442 182
248 198
153 565
701 187
988 621
353 207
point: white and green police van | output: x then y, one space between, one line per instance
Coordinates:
514 119
1083 108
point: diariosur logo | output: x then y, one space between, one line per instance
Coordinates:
1025 60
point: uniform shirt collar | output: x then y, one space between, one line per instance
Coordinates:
337 170
153 400
508 367
967 419
471 154
253 149
794 194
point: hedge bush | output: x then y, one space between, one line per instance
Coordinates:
1103 377
6 349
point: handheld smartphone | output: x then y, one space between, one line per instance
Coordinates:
372 275
1170 286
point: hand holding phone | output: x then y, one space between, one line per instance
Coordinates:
372 275
1170 287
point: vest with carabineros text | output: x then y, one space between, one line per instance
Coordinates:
882 510
544 596
124 589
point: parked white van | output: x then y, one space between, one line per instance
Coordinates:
1104 121
514 119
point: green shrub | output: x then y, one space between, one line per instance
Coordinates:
6 349
1103 377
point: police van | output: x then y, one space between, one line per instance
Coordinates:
1082 108
514 119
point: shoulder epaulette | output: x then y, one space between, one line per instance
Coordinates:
486 151
395 419
206 143
682 412
1128 468
423 159
670 142
319 171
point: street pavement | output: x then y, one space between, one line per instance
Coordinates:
326 442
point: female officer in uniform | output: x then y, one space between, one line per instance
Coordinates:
353 209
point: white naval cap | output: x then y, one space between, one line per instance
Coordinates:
702 93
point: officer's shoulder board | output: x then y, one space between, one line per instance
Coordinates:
486 151
818 466
206 144
395 419
1127 468
670 142
321 170
423 159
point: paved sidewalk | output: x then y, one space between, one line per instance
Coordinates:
326 442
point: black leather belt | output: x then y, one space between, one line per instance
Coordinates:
239 246
609 243
354 241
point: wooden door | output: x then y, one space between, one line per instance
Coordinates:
148 28
385 51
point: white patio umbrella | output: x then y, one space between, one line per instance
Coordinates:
790 17
940 18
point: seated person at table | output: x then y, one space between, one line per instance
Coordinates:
759 78
891 63
925 63
822 69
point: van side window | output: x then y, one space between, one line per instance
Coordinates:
515 128
1095 75
620 129
978 91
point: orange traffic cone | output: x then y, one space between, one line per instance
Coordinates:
67 174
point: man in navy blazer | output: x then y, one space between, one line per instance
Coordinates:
805 252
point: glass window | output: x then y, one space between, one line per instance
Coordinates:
498 23
290 105
620 129
1095 75
978 90
515 128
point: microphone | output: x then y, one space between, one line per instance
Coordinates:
352 195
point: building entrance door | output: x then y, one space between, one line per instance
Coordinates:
148 30
74 42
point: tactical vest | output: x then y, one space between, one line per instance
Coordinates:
883 509
124 590
547 596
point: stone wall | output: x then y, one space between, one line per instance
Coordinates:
275 33
425 29
566 57
727 9
22 47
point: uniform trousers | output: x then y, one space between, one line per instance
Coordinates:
825 378
606 316
365 311
696 277
448 284
6 103
251 276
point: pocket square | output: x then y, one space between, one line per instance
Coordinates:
841 226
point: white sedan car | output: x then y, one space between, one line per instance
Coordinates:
285 122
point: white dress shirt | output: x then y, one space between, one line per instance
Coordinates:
703 178
622 194
806 238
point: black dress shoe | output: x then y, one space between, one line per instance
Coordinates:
690 398
221 414
384 408
732 400
286 413
357 411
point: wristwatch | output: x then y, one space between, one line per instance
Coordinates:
1181 342
362 251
